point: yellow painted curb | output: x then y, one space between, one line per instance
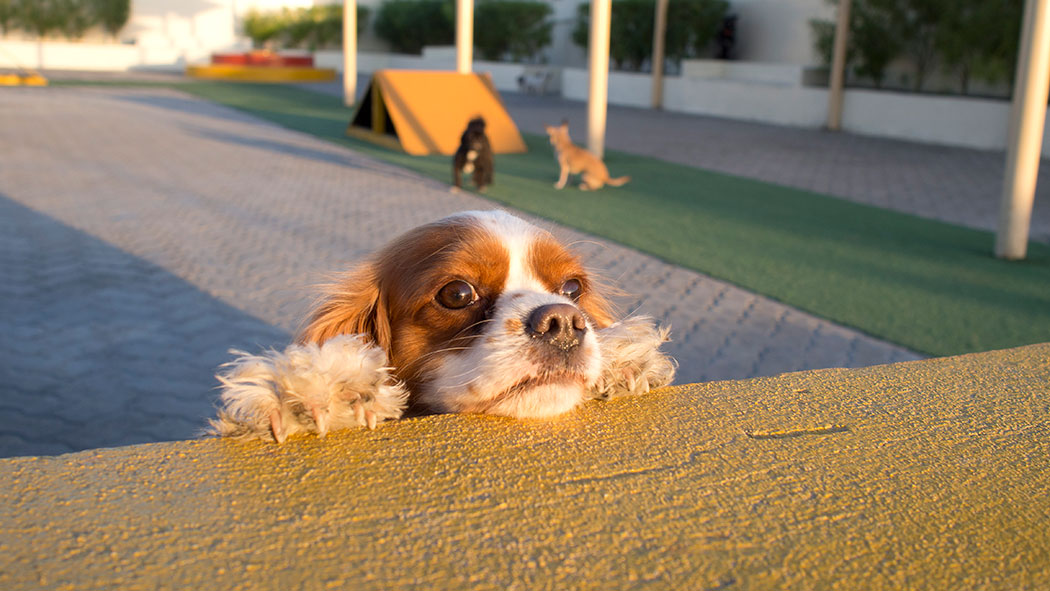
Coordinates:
260 73
921 475
22 80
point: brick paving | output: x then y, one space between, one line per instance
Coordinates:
143 232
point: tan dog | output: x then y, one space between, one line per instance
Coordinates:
574 159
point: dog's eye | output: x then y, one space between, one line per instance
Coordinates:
571 289
457 294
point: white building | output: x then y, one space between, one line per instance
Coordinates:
763 83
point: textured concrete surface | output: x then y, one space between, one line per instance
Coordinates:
922 475
144 232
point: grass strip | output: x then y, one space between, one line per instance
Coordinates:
929 286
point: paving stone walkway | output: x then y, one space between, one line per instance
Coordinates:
144 232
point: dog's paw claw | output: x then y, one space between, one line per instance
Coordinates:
277 426
321 421
631 359
308 388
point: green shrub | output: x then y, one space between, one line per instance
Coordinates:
409 25
313 28
980 40
77 16
974 39
112 14
518 29
7 15
262 27
691 25
39 17
317 26
71 18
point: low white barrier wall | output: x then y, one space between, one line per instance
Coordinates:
954 121
100 57
504 75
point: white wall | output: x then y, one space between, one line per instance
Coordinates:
733 99
60 55
777 30
504 75
952 121
969 122
192 28
162 34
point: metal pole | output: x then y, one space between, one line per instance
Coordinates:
464 35
659 31
1027 117
598 66
349 51
838 67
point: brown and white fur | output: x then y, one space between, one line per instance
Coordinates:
576 160
479 312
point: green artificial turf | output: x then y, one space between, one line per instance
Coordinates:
929 286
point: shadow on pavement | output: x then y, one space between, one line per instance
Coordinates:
101 348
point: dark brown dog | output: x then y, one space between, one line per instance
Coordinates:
474 156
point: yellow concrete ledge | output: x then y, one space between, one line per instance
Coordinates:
923 475
260 73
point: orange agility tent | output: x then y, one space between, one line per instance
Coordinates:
425 112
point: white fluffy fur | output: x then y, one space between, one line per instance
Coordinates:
343 383
506 371
347 379
631 359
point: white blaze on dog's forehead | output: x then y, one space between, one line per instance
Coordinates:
517 236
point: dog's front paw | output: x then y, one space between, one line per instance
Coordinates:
632 362
307 388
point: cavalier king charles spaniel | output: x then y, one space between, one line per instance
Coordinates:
479 312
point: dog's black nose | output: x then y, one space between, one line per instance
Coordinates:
560 325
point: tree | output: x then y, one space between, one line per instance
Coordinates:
691 24
917 23
514 28
8 15
873 41
113 15
40 17
980 40
871 44
409 25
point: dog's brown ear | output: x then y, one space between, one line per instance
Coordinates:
354 304
565 123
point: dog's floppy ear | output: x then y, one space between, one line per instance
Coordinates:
352 305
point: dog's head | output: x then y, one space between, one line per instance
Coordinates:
474 135
476 126
558 134
478 312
